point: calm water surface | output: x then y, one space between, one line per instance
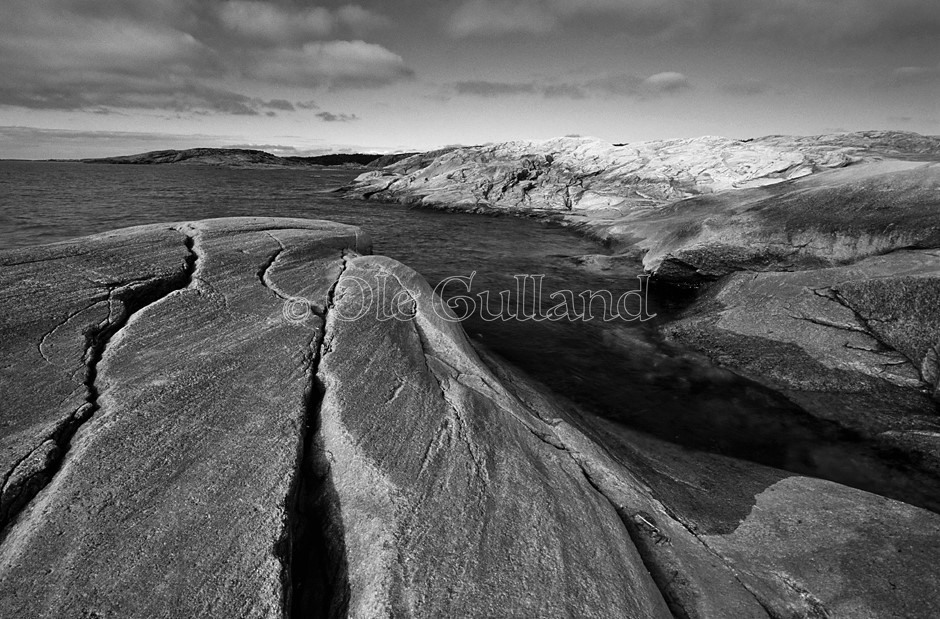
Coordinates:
618 370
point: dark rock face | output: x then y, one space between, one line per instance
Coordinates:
246 437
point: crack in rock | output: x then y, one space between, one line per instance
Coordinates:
312 550
33 472
264 273
865 327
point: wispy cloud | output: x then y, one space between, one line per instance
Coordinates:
916 76
748 88
872 22
653 86
500 17
495 17
668 82
482 88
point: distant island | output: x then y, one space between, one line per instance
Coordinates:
242 157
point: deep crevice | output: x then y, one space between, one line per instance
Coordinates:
133 299
315 573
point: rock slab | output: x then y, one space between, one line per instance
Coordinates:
218 419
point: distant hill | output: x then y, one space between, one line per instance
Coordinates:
237 157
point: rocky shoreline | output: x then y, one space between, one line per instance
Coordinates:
813 259
184 437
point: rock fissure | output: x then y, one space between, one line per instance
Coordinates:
312 551
832 325
264 272
865 324
21 486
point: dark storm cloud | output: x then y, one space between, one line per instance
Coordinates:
183 55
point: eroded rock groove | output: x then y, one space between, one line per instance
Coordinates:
313 551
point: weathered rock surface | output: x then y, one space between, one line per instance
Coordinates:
255 440
805 242
173 492
854 344
831 218
725 538
589 177
195 484
699 208
453 500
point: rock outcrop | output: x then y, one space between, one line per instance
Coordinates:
855 344
813 256
587 177
700 208
831 218
219 419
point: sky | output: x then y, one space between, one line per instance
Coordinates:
88 78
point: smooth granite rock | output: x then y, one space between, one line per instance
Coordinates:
173 495
61 302
592 179
854 344
831 218
580 174
424 438
260 440
777 235
697 209
725 538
